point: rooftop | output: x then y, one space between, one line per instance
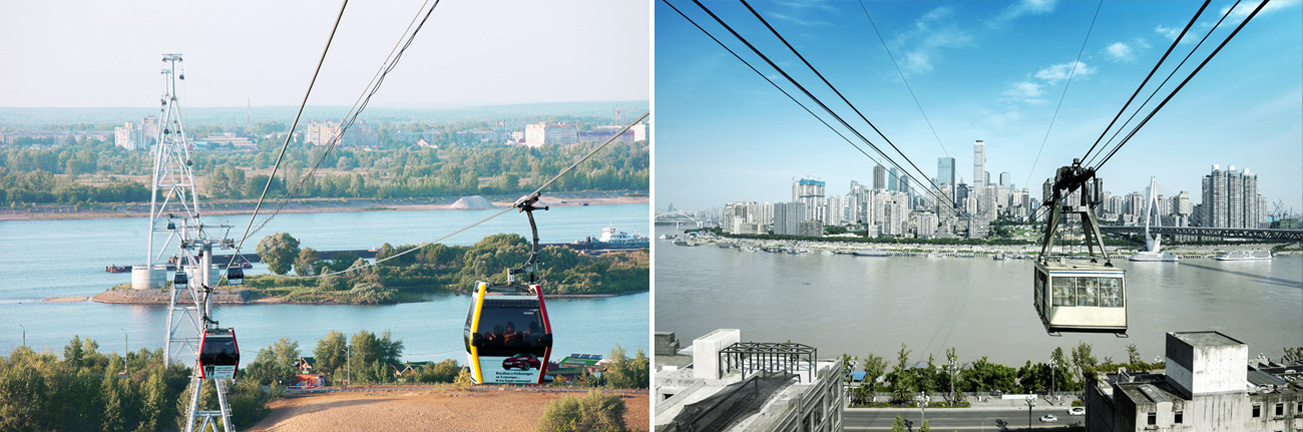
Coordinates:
1206 338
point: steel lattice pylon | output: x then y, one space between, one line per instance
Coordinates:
191 302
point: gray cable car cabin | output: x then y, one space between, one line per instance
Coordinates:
1078 295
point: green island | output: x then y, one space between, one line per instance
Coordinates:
404 275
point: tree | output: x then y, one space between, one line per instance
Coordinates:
898 424
848 367
874 366
902 385
952 369
330 352
1083 360
925 427
114 419
1292 355
23 395
594 412
279 252
622 372
305 262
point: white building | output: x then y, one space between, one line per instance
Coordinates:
544 133
322 133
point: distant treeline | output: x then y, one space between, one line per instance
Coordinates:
442 268
27 174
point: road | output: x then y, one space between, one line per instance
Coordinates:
876 419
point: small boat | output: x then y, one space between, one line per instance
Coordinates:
1244 255
1000 256
1154 256
872 253
117 269
934 255
615 239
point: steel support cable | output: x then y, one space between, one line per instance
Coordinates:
902 78
808 94
1141 107
321 157
771 82
481 221
1065 92
352 115
281 156
1151 75
839 94
1182 85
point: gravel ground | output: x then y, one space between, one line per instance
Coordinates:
427 410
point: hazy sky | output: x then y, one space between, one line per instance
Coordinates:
107 54
982 70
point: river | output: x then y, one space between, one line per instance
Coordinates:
982 307
44 259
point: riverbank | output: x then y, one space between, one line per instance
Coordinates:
314 205
126 296
833 245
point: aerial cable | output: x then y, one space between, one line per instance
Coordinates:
1151 74
1182 85
839 93
532 195
902 78
1065 91
281 156
351 116
771 82
804 90
1160 85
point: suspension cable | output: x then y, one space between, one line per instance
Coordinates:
1065 91
1182 85
839 93
1151 74
902 78
281 156
481 221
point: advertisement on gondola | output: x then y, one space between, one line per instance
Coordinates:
522 368
219 372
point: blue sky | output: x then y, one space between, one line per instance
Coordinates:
981 70
84 53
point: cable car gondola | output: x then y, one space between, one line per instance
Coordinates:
508 335
1078 295
235 275
180 281
219 354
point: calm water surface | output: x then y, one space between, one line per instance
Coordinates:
982 307
43 259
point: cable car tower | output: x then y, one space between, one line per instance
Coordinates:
1078 295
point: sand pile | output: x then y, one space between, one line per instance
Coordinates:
472 203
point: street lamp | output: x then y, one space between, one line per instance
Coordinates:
953 399
1054 375
1031 403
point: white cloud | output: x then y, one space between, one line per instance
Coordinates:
1025 91
796 20
1168 32
1244 9
1021 9
1053 74
1120 52
927 37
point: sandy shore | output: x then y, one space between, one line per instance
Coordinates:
66 299
427 410
322 206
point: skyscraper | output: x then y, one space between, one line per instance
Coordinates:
879 177
945 171
1006 179
979 168
893 180
810 192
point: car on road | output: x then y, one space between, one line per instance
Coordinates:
1049 418
522 362
1077 411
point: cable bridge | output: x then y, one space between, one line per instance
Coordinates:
1292 235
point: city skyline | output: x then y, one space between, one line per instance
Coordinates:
978 78
94 54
